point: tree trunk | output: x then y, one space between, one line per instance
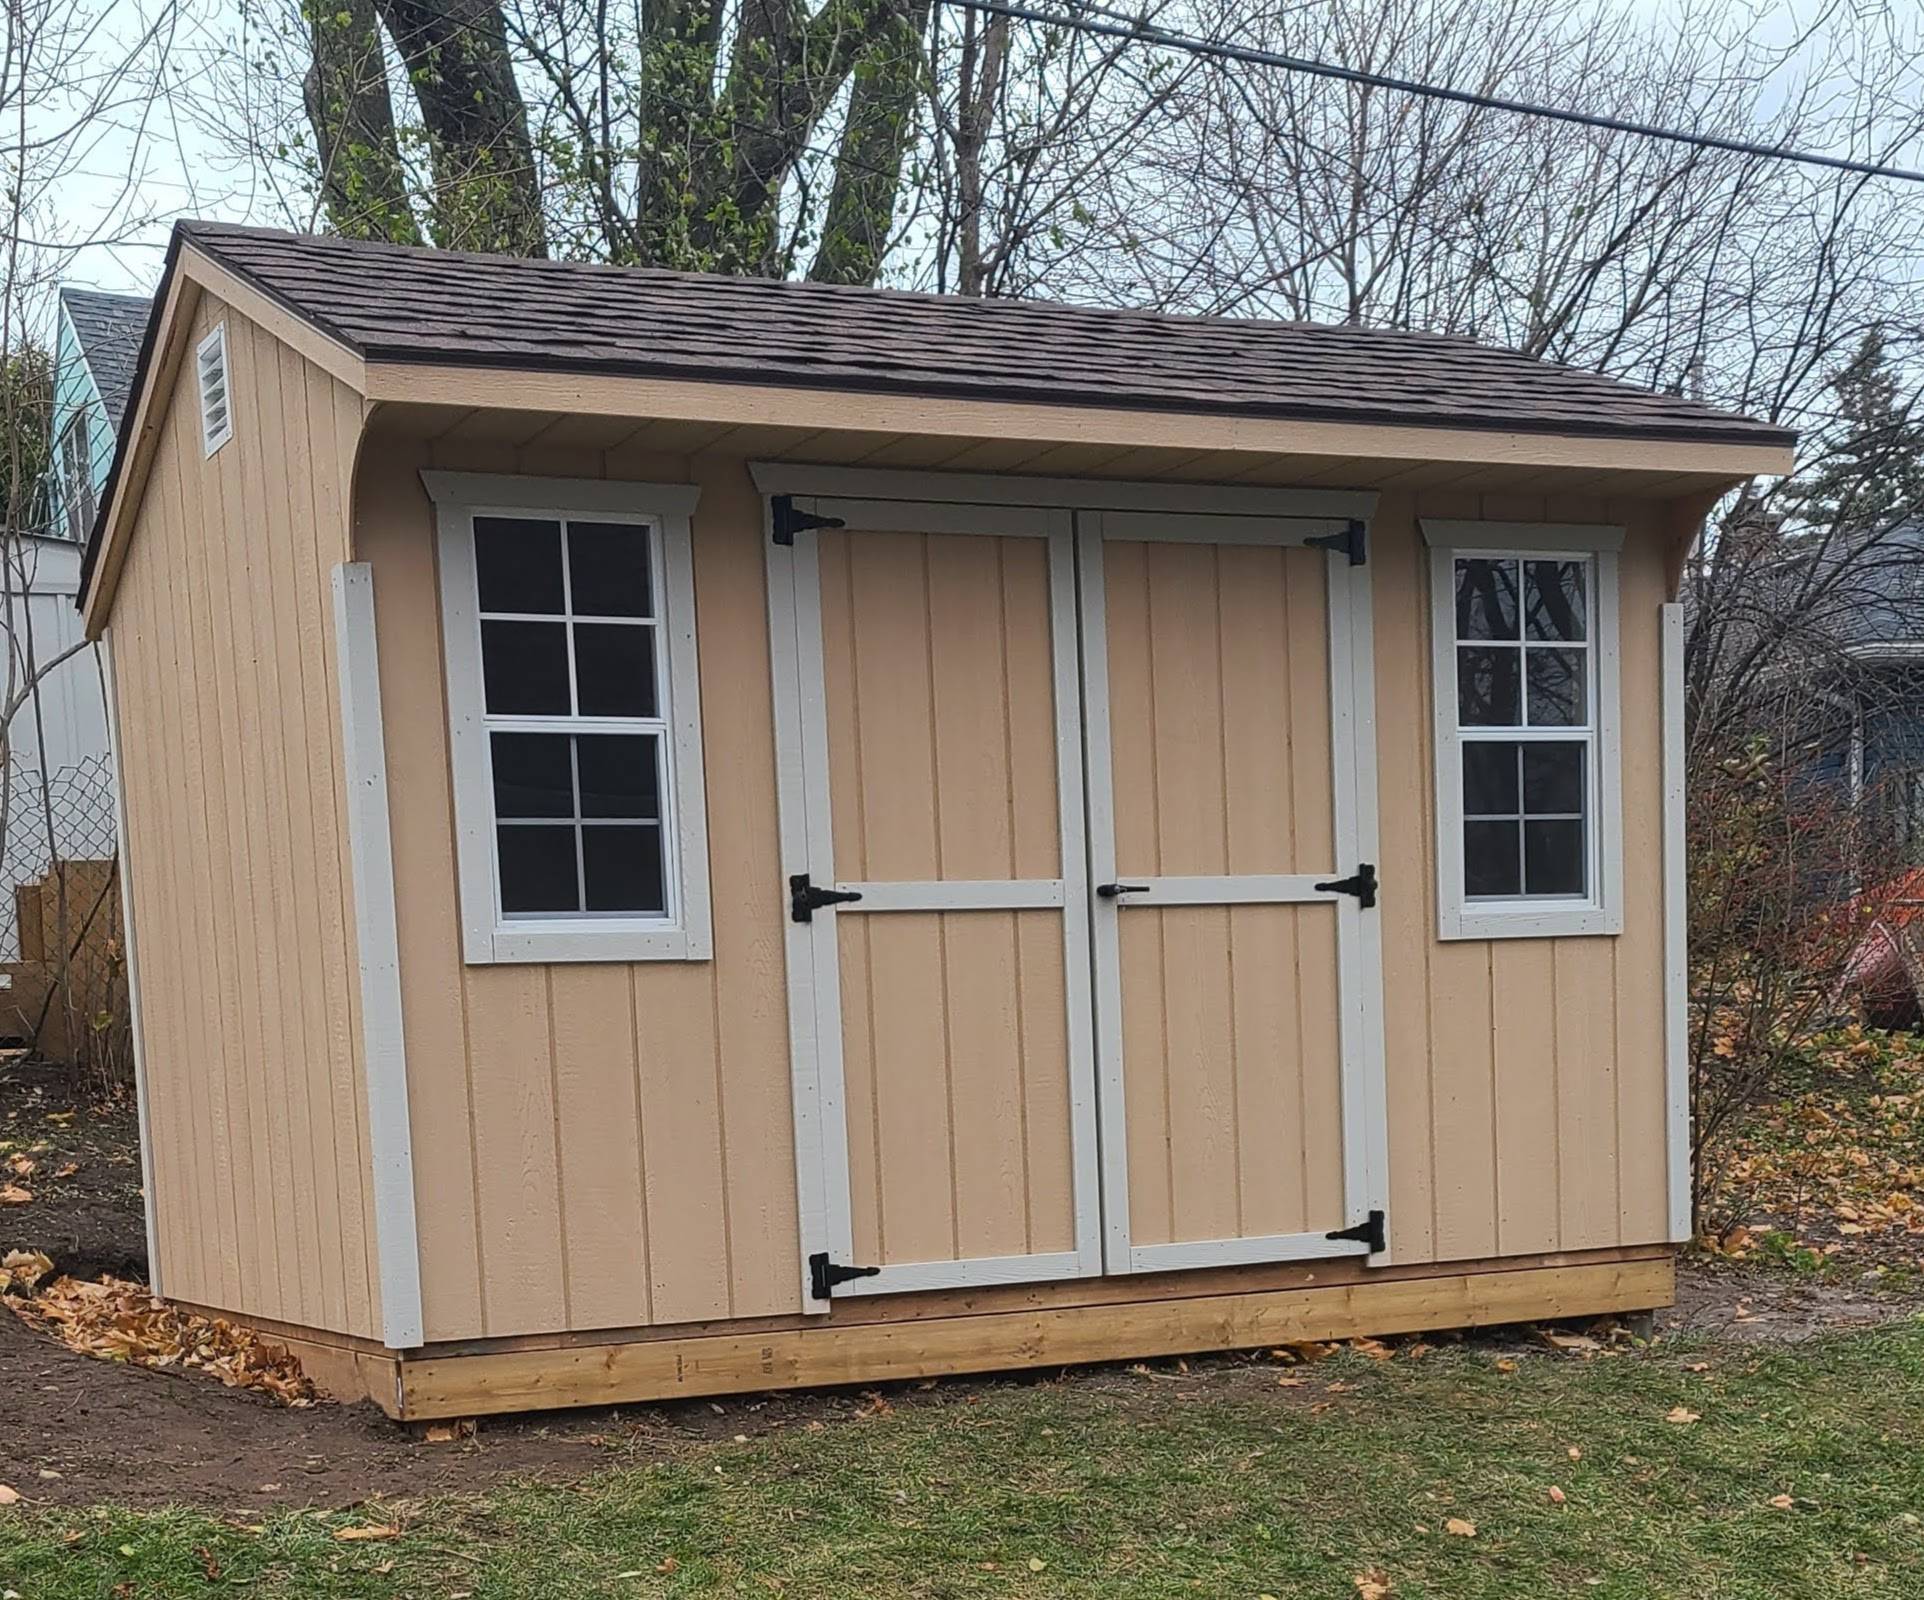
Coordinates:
981 87
875 144
363 184
485 193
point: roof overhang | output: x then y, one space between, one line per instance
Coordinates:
787 405
190 272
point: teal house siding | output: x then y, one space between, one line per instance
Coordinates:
96 345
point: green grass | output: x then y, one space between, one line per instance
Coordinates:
1218 1484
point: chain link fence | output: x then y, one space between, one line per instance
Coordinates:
62 951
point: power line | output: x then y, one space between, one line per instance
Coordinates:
1092 21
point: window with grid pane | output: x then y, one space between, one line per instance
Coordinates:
577 735
1526 725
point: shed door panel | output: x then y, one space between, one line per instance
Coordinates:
950 1002
1228 979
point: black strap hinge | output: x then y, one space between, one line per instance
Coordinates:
1352 542
824 1274
1370 1231
785 521
1362 884
804 899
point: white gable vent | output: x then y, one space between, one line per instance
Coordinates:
216 414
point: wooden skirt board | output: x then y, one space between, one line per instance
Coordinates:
1079 977
818 1352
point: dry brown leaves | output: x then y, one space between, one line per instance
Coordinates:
1834 1170
119 1321
21 1269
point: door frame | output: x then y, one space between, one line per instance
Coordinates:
807 835
817 1120
1362 1085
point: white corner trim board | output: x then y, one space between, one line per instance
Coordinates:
377 945
1676 933
149 1193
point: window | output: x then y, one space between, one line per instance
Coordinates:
568 622
216 414
1528 822
77 473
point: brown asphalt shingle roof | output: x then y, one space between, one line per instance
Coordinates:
394 303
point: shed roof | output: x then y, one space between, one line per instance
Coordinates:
397 303
109 328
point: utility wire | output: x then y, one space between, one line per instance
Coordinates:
1093 21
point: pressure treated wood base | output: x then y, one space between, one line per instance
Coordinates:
823 1352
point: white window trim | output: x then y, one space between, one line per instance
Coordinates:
1600 912
215 344
487 937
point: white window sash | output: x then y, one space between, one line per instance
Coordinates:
489 937
1600 911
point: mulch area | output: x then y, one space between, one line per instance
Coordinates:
75 1430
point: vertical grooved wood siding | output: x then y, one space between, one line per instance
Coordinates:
1526 1076
230 759
599 1146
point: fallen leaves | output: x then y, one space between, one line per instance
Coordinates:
1556 1496
22 1269
1681 1416
1460 1527
114 1320
9 1496
1829 1171
12 1194
1373 1584
1782 1502
367 1530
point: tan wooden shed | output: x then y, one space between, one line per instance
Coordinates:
690 835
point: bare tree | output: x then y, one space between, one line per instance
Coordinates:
70 74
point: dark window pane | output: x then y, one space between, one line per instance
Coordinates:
532 776
1553 858
1490 863
624 868
1489 779
1488 694
615 670
608 569
518 563
1558 698
537 868
618 775
1486 599
524 668
1554 599
1552 778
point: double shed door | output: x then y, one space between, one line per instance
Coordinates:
1068 809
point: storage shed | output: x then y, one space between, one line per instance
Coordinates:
691 835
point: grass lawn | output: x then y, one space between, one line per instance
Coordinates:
1218 1482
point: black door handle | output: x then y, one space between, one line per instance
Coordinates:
1111 891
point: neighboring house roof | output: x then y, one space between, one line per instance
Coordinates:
394 303
109 328
1880 604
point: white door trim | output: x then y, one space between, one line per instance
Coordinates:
1069 494
814 988
1359 958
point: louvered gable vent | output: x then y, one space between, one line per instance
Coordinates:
216 414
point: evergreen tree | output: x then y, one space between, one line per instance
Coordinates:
1875 474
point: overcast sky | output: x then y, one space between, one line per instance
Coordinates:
182 172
